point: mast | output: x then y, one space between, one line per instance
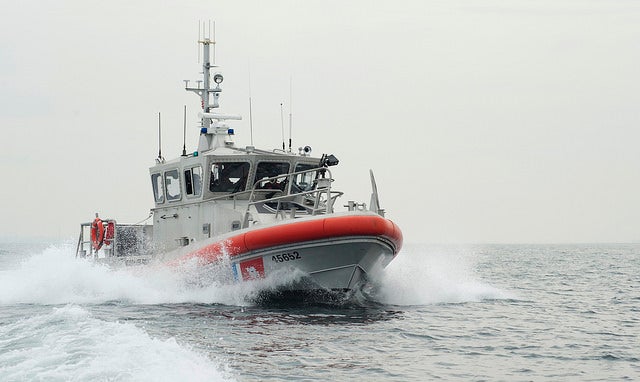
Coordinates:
214 132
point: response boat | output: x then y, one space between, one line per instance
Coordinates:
256 212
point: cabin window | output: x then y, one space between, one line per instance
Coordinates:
172 184
303 182
158 188
193 181
229 176
267 170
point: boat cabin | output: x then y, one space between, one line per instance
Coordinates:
197 178
202 195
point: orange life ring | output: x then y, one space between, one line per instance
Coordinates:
97 234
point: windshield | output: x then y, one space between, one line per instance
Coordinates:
267 170
229 176
303 182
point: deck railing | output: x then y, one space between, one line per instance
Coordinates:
125 240
286 203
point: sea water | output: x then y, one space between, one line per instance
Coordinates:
491 312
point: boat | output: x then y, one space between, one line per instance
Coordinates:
257 213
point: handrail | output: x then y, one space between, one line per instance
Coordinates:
326 207
289 181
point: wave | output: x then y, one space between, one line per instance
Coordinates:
67 343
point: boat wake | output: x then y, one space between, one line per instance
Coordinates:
417 276
68 343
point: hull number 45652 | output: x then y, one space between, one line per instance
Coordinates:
289 256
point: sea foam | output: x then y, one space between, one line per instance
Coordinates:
429 275
68 344
55 277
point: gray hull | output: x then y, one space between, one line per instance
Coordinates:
333 264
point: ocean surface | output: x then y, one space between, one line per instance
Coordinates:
467 313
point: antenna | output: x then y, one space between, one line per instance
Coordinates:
250 113
159 138
282 124
250 121
213 40
184 133
290 108
160 159
198 40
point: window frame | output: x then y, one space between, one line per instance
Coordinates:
158 198
189 181
166 185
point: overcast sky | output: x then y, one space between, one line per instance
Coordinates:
484 121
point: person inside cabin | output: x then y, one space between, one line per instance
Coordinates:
272 185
